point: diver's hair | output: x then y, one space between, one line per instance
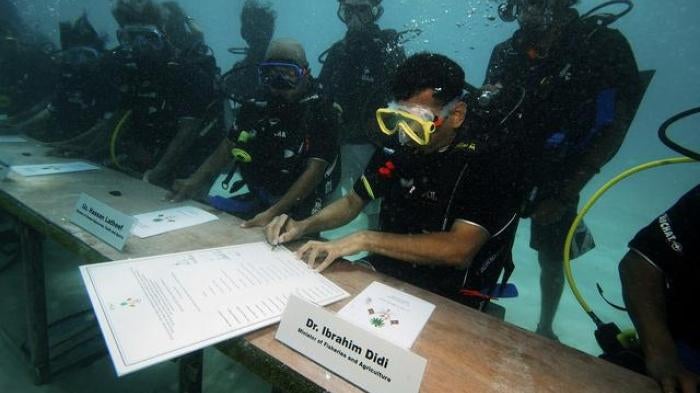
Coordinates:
80 33
260 12
182 34
428 71
137 12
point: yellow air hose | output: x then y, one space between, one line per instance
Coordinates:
589 204
115 137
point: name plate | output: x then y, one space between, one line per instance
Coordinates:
373 364
109 225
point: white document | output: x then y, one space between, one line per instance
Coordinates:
53 169
11 139
370 362
389 313
108 224
158 308
162 221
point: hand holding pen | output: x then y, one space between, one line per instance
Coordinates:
283 229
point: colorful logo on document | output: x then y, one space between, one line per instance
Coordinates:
126 304
163 217
380 318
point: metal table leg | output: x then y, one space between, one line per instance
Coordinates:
191 369
35 291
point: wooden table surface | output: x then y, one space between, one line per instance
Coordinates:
467 351
49 202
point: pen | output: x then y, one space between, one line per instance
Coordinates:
277 243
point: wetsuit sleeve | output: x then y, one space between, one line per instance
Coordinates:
671 239
486 196
376 179
496 67
322 132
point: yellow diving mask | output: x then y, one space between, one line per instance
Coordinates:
416 122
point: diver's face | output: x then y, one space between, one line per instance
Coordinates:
534 15
289 95
357 15
144 42
446 124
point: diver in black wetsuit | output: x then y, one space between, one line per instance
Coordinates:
28 73
257 29
167 94
449 208
582 88
84 92
286 146
659 279
356 73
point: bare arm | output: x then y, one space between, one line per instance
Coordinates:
283 229
455 248
643 290
334 215
185 188
188 128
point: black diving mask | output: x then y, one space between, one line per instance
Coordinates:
281 75
142 38
366 13
513 10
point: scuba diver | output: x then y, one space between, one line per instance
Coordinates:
448 211
257 28
27 71
659 276
286 146
582 89
159 130
356 73
181 29
357 70
84 94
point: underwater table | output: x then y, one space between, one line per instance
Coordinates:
467 351
43 206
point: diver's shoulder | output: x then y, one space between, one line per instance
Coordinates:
505 46
597 34
337 48
389 35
